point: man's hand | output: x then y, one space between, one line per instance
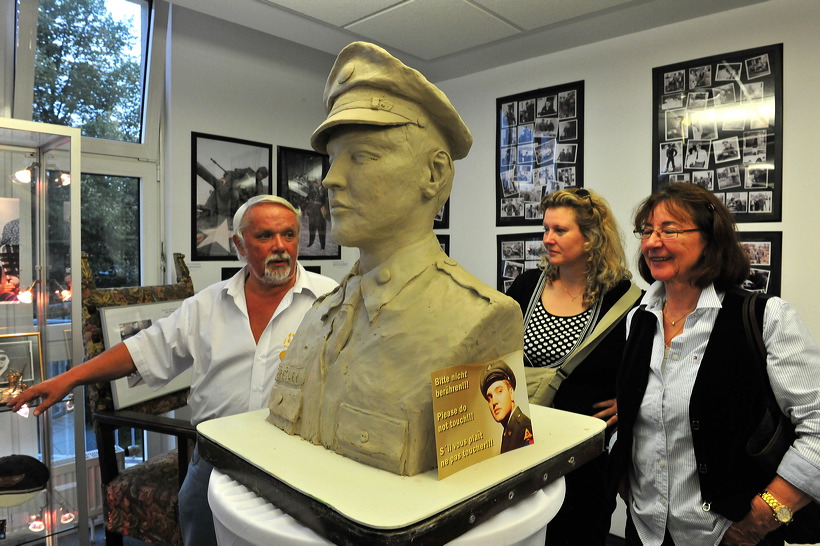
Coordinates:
609 411
50 392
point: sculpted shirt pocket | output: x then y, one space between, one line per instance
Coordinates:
286 400
372 437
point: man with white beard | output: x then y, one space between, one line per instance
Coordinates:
233 335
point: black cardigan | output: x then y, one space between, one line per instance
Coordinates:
594 379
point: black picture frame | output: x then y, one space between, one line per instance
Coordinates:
225 172
539 149
718 122
765 252
517 252
444 241
442 219
299 175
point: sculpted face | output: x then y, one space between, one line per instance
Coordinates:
375 187
500 399
270 243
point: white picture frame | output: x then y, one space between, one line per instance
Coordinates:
121 322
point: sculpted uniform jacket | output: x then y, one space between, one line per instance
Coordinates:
517 432
418 312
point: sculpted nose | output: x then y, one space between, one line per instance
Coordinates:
334 179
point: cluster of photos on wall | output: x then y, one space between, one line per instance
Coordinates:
517 253
718 125
539 149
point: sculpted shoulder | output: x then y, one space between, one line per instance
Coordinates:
470 282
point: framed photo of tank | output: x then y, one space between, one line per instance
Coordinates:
299 180
21 365
517 252
718 122
225 172
764 250
539 149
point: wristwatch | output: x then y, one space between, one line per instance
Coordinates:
782 513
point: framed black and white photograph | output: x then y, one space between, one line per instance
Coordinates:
21 365
299 180
517 252
123 321
718 122
225 172
540 145
764 250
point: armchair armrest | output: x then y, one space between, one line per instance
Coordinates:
109 421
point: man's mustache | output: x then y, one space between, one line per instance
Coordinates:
278 257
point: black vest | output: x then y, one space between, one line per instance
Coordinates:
726 405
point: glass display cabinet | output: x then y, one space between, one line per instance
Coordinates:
40 324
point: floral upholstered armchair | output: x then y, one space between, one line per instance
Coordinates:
141 501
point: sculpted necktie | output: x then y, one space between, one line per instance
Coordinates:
342 323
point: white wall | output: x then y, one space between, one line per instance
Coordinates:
228 80
618 124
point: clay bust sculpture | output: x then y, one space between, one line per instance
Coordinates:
356 378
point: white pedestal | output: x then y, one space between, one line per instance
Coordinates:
243 518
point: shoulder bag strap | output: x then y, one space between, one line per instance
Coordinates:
754 337
604 326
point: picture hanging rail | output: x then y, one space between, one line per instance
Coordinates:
539 149
718 123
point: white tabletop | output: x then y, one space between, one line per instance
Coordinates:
349 488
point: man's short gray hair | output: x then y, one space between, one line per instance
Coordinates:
239 222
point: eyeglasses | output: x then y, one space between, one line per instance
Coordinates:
663 233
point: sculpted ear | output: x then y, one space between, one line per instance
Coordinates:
441 174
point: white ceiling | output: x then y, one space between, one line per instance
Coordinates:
449 38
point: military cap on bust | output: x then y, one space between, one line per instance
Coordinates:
368 86
496 371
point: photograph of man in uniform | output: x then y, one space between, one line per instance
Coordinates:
498 388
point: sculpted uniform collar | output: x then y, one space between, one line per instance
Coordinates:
385 281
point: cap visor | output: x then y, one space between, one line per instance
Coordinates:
354 116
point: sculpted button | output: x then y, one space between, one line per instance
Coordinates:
449 261
346 72
364 436
383 276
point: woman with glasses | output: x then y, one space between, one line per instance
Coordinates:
691 394
574 308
